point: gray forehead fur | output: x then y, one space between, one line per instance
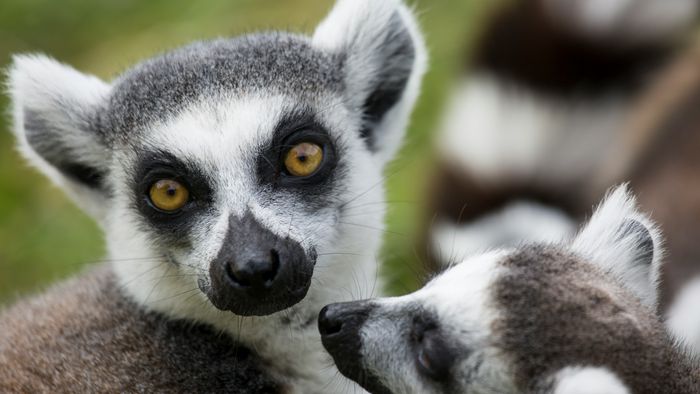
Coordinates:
559 311
273 63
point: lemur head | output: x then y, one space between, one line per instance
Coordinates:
510 321
228 170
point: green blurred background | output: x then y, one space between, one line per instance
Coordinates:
43 237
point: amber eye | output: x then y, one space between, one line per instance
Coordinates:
168 195
303 159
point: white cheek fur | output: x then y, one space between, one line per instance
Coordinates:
347 246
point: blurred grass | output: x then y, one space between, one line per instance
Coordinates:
44 237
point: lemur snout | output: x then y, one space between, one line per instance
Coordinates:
340 326
258 273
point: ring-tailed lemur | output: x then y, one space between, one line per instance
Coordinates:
560 318
549 90
232 179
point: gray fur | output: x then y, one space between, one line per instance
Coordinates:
558 311
564 318
645 241
218 117
110 344
391 77
273 63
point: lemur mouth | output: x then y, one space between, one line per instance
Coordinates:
244 305
260 287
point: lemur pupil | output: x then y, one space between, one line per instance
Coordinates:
302 158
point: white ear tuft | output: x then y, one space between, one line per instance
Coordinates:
625 243
53 108
38 81
384 59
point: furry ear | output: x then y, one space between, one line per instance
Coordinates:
624 242
384 58
54 107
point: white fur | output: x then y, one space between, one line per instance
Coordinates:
41 84
472 318
497 133
603 243
520 222
625 20
588 380
462 302
359 27
222 136
347 255
386 350
684 316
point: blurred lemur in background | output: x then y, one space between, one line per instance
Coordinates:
562 99
571 317
234 180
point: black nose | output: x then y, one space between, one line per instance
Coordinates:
257 272
256 275
340 324
329 321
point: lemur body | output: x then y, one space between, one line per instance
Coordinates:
233 180
111 344
571 317
552 90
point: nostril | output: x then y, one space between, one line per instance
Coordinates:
255 274
236 277
327 325
270 272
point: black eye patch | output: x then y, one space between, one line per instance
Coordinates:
157 166
434 356
299 126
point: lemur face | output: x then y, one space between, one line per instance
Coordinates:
509 321
230 168
258 174
267 164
